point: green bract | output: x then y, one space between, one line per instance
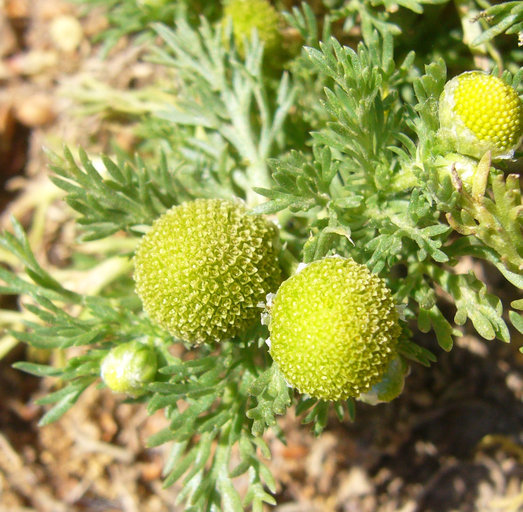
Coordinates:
464 166
334 329
390 386
248 15
479 113
204 267
127 367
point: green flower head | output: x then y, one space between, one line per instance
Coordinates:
127 367
479 113
333 329
247 15
204 267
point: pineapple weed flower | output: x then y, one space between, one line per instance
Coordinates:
334 329
479 113
249 15
204 267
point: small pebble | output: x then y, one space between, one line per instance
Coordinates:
36 110
66 33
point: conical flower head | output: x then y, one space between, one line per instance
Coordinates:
128 367
248 15
479 113
204 267
333 329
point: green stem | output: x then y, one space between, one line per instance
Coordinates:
468 13
93 281
288 263
257 176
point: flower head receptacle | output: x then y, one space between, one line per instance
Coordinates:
464 166
390 386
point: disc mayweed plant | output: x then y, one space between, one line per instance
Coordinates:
281 240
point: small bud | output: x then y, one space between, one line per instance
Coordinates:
479 113
333 329
127 367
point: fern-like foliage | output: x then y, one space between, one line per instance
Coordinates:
212 423
505 17
212 401
62 318
369 188
496 219
378 14
122 195
227 98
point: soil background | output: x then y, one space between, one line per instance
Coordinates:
450 442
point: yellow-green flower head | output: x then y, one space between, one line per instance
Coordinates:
127 367
479 113
247 15
333 329
204 267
